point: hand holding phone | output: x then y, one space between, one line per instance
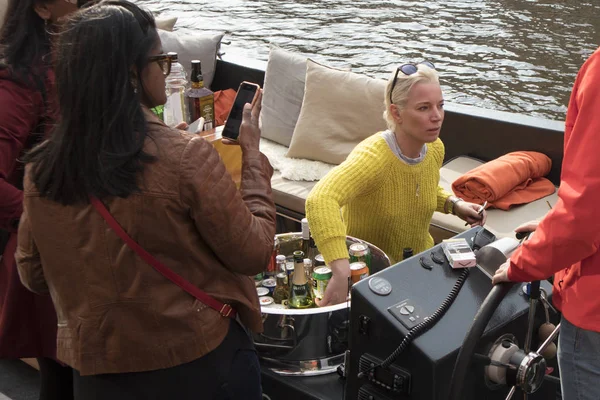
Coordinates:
247 93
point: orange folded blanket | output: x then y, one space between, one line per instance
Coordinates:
514 178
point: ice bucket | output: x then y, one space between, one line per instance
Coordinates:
308 341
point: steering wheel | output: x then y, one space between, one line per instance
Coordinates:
527 369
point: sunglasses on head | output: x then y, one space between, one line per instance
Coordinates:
163 61
408 69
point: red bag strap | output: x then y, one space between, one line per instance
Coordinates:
224 309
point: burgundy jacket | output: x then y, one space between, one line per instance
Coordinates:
116 313
27 320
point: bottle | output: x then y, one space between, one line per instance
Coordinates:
282 291
305 236
308 269
301 295
271 269
308 243
201 100
407 253
175 109
281 264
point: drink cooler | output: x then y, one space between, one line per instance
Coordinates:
310 341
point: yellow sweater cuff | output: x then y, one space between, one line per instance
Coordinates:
334 249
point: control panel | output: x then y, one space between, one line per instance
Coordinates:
408 313
391 379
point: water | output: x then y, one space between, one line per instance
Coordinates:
512 55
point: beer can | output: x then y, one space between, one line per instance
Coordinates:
266 301
360 252
321 277
319 260
270 284
358 271
262 291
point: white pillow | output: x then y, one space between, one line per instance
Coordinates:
166 23
283 92
282 95
194 46
339 110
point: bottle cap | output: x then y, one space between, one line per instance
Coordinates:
280 257
173 56
298 256
307 261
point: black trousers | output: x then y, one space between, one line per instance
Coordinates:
230 372
56 380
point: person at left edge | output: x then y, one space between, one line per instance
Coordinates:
127 331
27 111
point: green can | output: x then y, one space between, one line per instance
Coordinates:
360 252
321 277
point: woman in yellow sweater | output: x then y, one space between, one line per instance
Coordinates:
388 187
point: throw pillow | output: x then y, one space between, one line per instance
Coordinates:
194 46
283 92
282 95
339 110
166 23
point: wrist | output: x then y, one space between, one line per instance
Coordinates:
451 202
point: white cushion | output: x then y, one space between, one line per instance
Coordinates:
501 223
283 91
166 23
339 110
294 169
194 46
290 194
282 95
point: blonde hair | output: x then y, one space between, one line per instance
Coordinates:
404 84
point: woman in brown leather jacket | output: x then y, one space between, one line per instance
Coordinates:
129 332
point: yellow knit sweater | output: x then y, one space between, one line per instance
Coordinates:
382 199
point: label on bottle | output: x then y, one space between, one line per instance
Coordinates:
207 111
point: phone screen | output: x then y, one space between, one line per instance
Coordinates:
244 95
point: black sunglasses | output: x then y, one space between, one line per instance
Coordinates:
408 69
163 61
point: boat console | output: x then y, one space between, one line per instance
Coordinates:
396 321
416 330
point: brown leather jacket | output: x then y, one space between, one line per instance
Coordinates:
115 312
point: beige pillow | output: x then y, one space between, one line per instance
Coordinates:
166 23
339 110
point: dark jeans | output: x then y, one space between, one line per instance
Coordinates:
230 372
579 362
56 380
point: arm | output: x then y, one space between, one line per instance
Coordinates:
19 110
569 232
28 259
239 226
360 174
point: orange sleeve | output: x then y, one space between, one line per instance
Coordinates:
569 233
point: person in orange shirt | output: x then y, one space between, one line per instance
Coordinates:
566 242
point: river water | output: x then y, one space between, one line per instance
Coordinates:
512 55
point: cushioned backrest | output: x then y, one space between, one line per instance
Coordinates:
194 46
339 110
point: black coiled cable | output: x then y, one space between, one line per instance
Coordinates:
424 326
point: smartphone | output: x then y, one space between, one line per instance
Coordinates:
246 94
